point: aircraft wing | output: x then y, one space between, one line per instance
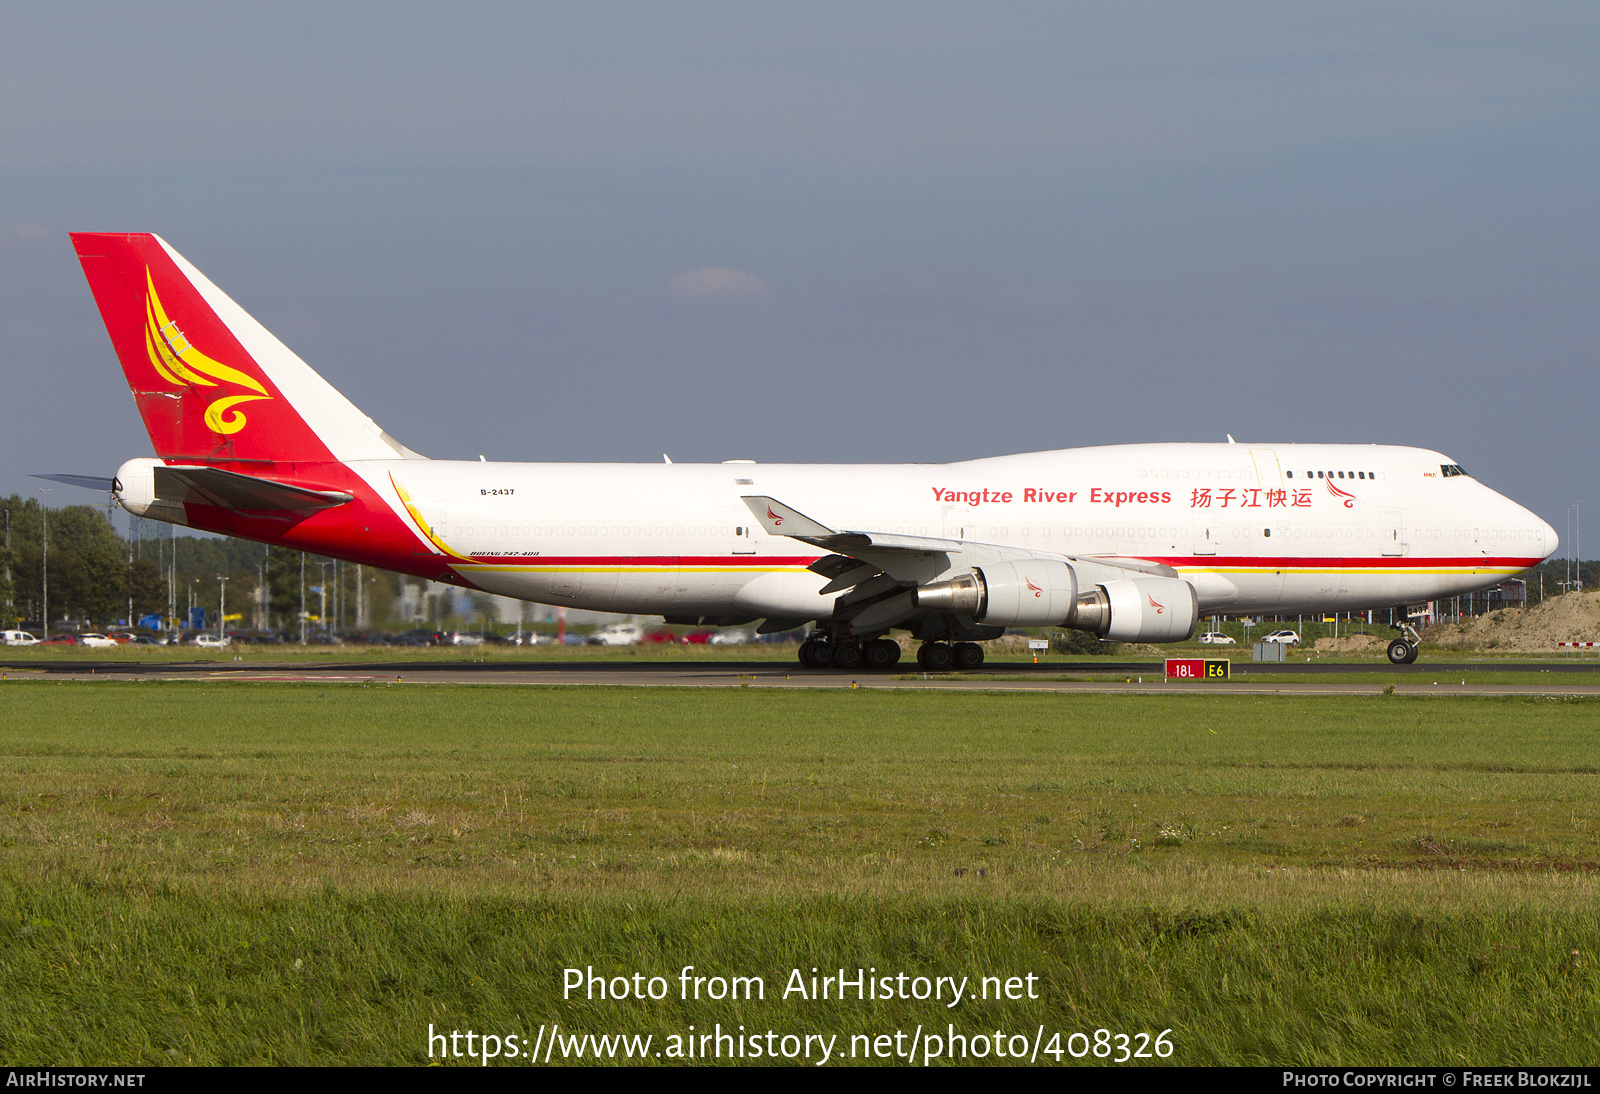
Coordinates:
862 555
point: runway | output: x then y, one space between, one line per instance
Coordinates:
1564 678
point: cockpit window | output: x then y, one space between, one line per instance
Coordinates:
1451 470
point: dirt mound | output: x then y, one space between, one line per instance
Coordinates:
1350 643
1574 617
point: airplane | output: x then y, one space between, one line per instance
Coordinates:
1132 543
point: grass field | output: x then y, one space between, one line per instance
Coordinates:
271 873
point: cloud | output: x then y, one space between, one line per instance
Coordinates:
18 237
710 281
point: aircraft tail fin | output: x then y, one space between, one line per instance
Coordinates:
212 384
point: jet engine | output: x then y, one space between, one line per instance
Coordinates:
1029 593
1139 609
1041 593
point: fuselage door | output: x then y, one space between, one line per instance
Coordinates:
1393 530
1269 475
1206 538
958 522
744 532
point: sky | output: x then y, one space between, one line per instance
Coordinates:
846 232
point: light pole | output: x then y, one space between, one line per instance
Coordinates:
172 581
131 531
222 608
44 561
1578 543
322 591
1575 556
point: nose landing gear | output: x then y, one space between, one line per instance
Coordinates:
1403 651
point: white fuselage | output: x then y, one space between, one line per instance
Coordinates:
1256 529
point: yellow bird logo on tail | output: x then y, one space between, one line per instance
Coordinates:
182 365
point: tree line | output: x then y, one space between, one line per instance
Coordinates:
93 576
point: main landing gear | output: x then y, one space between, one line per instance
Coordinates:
944 656
884 653
878 654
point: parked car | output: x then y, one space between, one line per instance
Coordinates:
618 634
1215 638
17 638
731 638
97 641
60 640
1288 638
212 641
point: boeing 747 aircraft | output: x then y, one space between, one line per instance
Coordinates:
1131 542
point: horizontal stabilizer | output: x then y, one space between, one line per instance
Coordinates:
231 490
88 482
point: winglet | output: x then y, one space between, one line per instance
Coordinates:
779 520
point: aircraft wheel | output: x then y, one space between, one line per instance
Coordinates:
847 656
882 653
968 656
935 656
814 654
1401 652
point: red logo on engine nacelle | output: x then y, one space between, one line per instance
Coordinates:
1036 590
1154 603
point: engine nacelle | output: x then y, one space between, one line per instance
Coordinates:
1140 609
1028 593
1041 593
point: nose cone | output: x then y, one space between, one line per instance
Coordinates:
1550 542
